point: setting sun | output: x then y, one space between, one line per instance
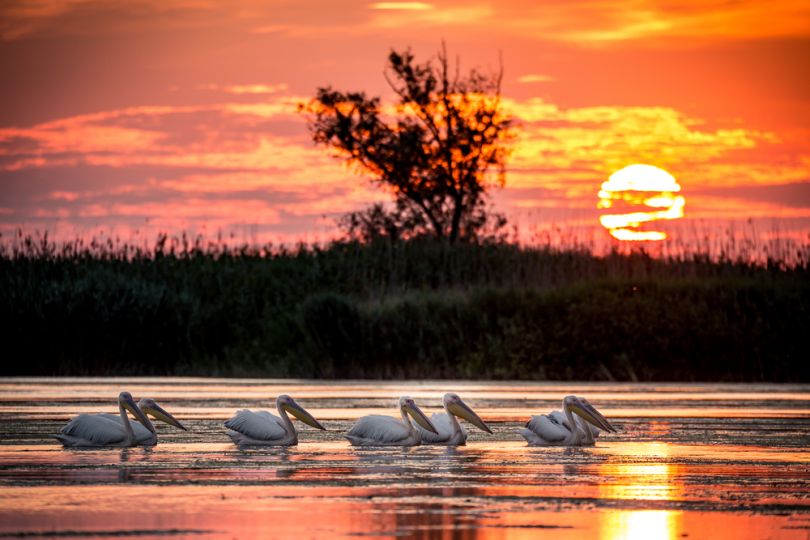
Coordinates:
642 194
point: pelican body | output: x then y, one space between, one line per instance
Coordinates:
117 430
378 430
450 432
563 429
261 428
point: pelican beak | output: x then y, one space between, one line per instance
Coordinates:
129 404
460 409
589 413
420 418
299 412
159 413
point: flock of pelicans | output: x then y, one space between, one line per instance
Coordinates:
578 424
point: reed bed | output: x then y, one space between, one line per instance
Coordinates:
417 309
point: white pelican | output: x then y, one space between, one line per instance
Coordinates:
562 429
450 431
378 430
145 434
116 430
266 429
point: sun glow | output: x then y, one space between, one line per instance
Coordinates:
637 186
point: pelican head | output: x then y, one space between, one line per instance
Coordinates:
407 405
125 401
587 412
456 406
288 404
148 406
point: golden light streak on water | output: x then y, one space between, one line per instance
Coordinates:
637 186
642 482
641 525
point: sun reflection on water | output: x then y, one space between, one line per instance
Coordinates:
641 525
639 186
651 481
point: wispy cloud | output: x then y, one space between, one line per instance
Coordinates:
232 166
448 16
585 22
412 6
605 21
536 78
604 139
247 89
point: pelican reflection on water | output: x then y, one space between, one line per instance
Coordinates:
450 432
563 428
117 430
379 430
262 428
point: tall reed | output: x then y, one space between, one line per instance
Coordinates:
416 309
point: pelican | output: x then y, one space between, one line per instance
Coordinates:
378 430
450 431
145 433
116 430
562 429
262 428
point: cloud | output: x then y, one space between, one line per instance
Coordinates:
463 15
25 19
604 22
236 166
415 6
535 78
225 166
251 89
794 195
213 136
580 22
600 140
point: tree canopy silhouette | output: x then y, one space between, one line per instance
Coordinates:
438 150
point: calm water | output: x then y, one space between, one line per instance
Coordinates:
689 461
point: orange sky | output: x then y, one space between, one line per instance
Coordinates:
156 116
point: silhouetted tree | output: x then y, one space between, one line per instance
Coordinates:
438 150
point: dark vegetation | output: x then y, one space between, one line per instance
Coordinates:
416 309
437 154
